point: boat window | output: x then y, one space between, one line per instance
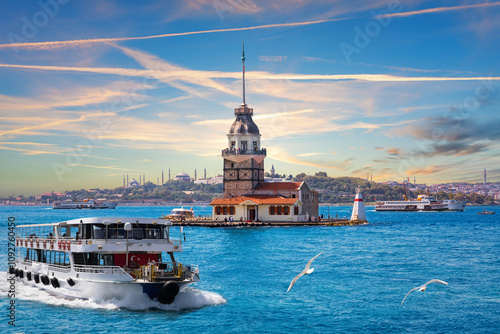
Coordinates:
99 231
116 231
136 233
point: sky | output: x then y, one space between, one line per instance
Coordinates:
94 90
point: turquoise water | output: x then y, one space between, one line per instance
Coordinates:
357 286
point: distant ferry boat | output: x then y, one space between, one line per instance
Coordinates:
85 204
422 203
107 257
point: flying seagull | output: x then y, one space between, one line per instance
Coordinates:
424 287
306 271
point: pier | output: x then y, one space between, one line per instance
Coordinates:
218 223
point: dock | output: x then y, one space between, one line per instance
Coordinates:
218 223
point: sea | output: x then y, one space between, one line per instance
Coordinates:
357 286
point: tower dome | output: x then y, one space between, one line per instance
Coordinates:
244 124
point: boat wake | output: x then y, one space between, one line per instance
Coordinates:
188 298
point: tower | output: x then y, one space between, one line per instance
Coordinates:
162 178
243 157
169 174
358 209
195 176
205 174
272 170
484 181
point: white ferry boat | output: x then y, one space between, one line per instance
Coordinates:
85 204
115 256
454 205
422 203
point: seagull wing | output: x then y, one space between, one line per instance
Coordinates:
436 281
409 293
295 280
311 261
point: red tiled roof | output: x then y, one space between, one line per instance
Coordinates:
257 199
278 186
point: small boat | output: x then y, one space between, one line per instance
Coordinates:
486 212
181 214
113 257
85 204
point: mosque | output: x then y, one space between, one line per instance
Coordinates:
246 196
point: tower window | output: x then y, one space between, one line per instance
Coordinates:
243 145
255 145
232 165
233 144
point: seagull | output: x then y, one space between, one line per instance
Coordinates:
424 287
306 271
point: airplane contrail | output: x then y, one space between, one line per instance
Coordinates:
83 42
440 9
253 75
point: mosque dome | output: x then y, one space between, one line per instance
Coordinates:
182 175
244 124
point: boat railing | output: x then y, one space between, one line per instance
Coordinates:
166 270
60 268
99 269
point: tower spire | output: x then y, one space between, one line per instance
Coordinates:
243 62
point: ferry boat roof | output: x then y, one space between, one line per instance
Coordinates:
107 221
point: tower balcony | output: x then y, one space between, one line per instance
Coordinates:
238 155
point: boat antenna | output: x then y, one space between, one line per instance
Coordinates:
243 63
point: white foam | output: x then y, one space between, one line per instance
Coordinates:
188 298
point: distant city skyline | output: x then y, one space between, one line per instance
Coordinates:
91 91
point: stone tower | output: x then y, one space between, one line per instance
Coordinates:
243 157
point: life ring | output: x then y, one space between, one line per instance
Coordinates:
51 244
45 280
70 281
36 278
31 243
54 282
59 244
17 242
28 275
168 291
44 242
68 244
37 243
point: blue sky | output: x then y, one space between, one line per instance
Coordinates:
91 91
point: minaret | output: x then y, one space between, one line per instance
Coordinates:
358 209
123 181
484 181
169 174
243 156
140 179
195 177
205 174
162 178
272 170
127 179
